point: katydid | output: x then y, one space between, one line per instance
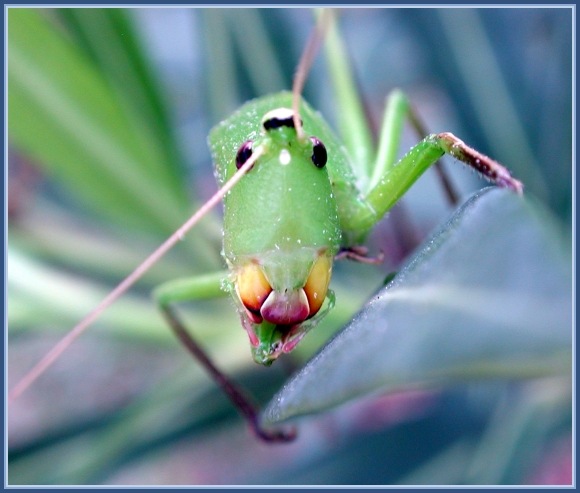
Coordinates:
294 199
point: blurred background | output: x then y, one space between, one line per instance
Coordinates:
109 111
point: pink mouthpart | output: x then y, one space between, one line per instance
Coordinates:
286 308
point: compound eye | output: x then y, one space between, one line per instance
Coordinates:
317 284
244 153
319 155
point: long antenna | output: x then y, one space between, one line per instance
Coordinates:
305 63
124 285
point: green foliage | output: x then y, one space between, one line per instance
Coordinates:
80 129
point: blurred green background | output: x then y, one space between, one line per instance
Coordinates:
109 111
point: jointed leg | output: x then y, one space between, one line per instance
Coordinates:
444 179
205 287
382 180
398 178
390 180
360 254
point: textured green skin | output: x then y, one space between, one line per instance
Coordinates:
257 195
282 216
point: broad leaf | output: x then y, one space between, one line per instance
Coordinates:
489 295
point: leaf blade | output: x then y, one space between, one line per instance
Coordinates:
77 130
431 324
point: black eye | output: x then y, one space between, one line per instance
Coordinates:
244 153
319 155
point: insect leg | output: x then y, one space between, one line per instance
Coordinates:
398 110
398 178
449 188
207 287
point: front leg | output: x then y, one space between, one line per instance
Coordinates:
373 183
398 178
206 287
390 180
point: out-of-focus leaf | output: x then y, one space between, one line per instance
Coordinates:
108 36
33 283
489 295
229 83
77 129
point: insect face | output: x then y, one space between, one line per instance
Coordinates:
278 127
281 225
277 317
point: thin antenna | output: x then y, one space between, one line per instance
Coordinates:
124 285
305 63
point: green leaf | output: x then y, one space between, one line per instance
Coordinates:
79 131
109 38
488 296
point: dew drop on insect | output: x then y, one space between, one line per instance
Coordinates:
284 157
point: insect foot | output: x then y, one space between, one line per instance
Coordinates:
359 254
277 435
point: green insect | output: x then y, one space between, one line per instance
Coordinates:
304 200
